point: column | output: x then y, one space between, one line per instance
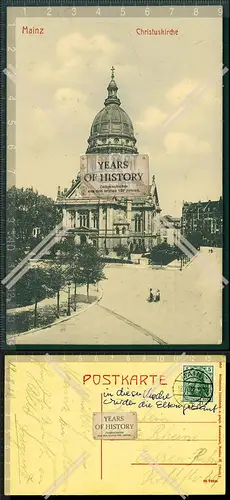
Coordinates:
90 219
100 219
76 219
111 227
129 211
152 223
68 219
100 227
109 224
64 220
146 217
157 220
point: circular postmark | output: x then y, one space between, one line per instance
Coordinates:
193 385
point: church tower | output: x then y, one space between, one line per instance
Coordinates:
112 130
109 223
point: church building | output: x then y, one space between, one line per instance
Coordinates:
109 223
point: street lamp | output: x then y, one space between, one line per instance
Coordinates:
68 307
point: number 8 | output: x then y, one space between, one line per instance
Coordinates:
196 11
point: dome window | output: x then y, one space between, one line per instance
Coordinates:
105 127
116 140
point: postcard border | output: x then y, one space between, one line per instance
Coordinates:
117 348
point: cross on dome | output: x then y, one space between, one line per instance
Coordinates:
112 91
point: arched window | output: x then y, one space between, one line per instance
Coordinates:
84 219
117 230
95 221
137 223
123 230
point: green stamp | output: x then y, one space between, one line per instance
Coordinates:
197 384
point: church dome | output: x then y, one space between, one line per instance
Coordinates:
112 130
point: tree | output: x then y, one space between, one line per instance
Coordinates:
122 251
162 254
23 292
73 275
30 217
32 288
87 266
195 238
67 257
56 280
66 250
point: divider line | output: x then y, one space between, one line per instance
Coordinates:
138 327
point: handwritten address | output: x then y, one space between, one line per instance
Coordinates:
150 399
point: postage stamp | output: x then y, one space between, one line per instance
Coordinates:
194 385
197 383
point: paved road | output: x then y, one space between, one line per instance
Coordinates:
98 325
189 311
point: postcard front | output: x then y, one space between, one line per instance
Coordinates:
148 425
114 200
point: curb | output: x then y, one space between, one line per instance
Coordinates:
58 321
190 261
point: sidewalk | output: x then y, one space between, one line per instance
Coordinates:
81 307
50 301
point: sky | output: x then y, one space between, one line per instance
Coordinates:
63 76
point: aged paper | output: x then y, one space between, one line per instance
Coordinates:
117 147
57 405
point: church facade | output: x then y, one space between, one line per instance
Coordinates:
109 223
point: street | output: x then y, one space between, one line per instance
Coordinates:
189 311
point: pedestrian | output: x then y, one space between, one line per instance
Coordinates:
158 295
150 295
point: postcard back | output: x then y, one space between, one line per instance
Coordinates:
115 425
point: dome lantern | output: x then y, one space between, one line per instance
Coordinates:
112 130
112 91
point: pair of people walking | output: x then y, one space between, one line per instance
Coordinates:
154 297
